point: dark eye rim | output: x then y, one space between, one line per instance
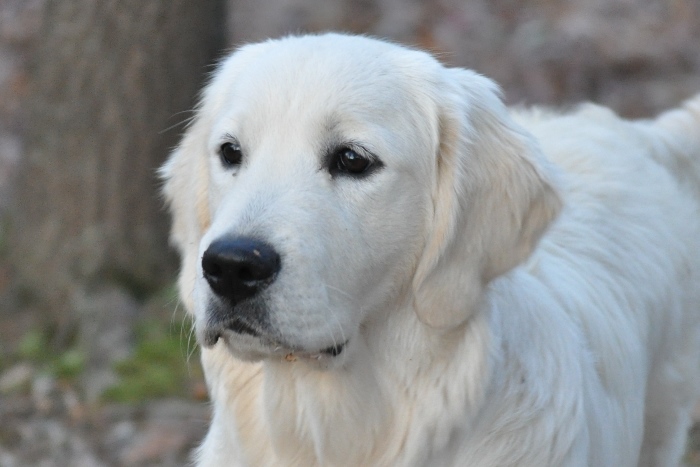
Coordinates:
230 154
337 168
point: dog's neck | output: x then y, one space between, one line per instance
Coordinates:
369 399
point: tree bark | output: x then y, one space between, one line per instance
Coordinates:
108 80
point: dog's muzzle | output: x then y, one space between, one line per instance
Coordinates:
237 270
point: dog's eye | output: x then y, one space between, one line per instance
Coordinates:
350 162
230 154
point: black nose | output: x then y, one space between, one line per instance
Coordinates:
238 268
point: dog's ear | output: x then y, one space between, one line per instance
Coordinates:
185 188
493 199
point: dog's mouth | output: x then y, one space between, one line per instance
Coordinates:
212 335
329 352
334 350
239 328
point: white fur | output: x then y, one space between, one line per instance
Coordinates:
516 288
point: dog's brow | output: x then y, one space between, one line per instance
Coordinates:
228 137
331 123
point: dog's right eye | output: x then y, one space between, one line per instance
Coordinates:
230 154
353 161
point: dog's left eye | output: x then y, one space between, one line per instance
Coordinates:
349 161
230 154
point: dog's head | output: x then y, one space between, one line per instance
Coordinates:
329 178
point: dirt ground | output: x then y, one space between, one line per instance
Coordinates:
51 427
61 432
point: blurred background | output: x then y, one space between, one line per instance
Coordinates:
97 362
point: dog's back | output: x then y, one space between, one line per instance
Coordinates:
631 231
679 132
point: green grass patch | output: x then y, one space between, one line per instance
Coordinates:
159 365
35 348
164 361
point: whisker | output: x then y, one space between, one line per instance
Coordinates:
181 122
188 345
340 328
193 346
337 322
330 330
306 323
335 289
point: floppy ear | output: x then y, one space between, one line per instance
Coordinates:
186 180
493 199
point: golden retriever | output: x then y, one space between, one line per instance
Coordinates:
387 267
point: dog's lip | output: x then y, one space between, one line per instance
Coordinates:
212 336
334 350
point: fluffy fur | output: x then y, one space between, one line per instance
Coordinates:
516 288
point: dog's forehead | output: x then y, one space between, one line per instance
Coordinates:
330 82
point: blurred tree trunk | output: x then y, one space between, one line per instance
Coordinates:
107 81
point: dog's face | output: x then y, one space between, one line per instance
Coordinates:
327 179
322 174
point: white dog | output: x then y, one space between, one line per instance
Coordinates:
386 267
